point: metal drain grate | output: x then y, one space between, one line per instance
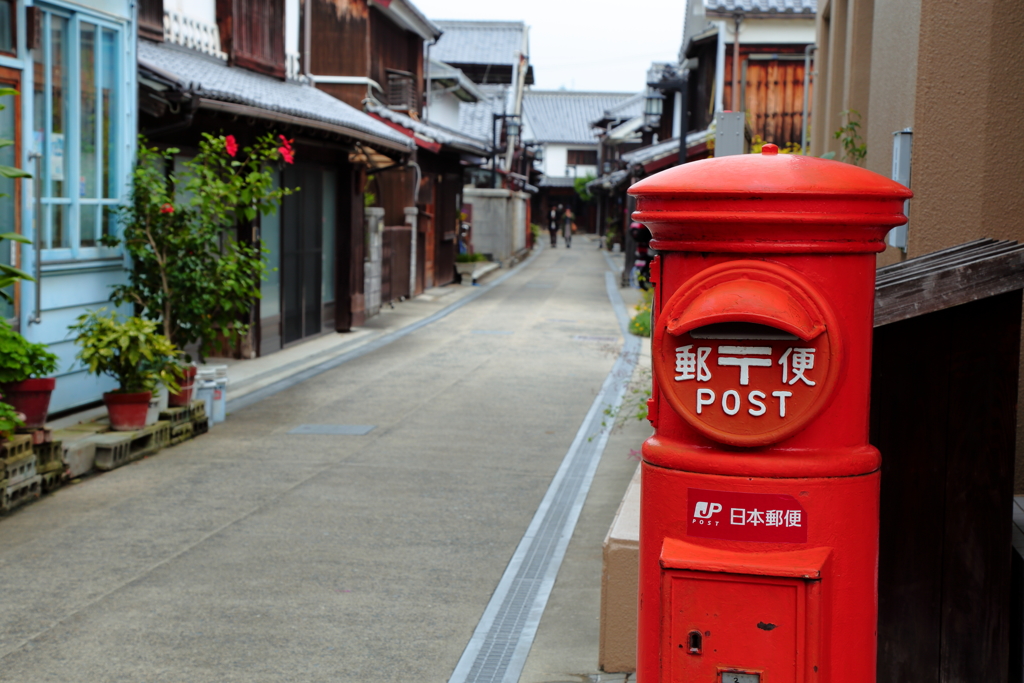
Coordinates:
497 651
349 430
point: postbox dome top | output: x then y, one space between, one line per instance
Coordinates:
785 198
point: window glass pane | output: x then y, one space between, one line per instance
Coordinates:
109 220
270 229
180 195
7 158
328 241
60 214
109 109
6 25
89 113
87 225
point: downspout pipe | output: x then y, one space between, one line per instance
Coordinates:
307 33
426 78
737 20
808 51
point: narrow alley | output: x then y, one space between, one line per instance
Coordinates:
259 553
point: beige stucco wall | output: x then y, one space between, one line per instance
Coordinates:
893 86
968 158
843 68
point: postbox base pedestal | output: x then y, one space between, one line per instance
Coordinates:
774 579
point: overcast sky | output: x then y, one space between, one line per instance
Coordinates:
580 44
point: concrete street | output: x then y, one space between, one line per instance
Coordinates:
253 554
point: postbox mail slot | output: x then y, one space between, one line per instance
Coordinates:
757 614
747 352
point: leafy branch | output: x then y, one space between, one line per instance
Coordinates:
188 273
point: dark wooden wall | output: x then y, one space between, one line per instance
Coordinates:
251 34
394 48
340 45
943 414
772 94
396 255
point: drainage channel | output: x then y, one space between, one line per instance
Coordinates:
370 347
497 651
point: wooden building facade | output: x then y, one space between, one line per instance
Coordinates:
315 243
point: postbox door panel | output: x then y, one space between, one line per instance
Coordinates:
722 628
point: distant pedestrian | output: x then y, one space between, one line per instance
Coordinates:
554 223
567 226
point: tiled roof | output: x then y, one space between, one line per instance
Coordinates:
557 181
211 78
565 116
476 118
628 108
646 155
712 7
652 152
479 42
432 132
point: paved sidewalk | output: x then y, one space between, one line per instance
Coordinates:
250 375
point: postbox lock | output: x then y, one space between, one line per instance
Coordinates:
747 352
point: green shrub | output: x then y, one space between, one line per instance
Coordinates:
20 359
470 258
187 272
640 325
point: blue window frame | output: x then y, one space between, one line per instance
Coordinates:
78 102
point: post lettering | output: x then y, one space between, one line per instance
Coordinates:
705 397
753 397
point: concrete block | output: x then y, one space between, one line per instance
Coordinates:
182 432
49 456
198 409
15 495
49 481
38 435
79 453
177 416
161 434
16 446
19 468
114 449
620 584
200 426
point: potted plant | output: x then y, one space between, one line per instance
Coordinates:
23 370
131 351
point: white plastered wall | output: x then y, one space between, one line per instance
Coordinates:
204 11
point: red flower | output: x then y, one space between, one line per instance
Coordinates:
166 208
230 145
288 154
286 142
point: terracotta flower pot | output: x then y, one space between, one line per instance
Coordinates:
184 397
31 397
127 411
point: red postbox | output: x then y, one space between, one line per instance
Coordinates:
759 503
